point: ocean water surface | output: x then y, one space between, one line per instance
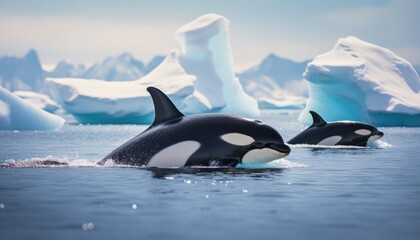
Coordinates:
314 193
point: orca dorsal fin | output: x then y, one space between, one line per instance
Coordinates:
317 120
165 110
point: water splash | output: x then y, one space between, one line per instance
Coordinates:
49 161
379 144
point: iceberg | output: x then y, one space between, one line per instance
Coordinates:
99 101
16 114
361 81
199 79
206 54
38 99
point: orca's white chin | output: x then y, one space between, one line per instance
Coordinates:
375 137
264 155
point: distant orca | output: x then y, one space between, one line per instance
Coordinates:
175 140
337 133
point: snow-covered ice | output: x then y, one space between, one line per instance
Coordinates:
38 99
361 81
206 53
199 79
16 114
98 101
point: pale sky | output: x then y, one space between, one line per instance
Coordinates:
84 31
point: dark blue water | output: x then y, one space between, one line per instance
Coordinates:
368 193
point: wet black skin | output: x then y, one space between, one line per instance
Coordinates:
171 127
321 130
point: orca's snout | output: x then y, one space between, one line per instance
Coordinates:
280 148
379 134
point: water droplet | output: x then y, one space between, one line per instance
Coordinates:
207 196
2 206
88 226
170 178
187 181
134 206
289 183
91 226
245 190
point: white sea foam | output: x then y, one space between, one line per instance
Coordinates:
49 161
377 144
324 146
280 163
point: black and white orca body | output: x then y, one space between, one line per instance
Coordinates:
175 140
345 133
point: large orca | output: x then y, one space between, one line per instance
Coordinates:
345 133
175 140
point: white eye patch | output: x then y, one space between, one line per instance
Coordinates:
363 132
238 139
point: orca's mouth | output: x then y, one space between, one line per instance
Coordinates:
280 148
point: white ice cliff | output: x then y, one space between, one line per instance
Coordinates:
16 114
206 53
360 81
